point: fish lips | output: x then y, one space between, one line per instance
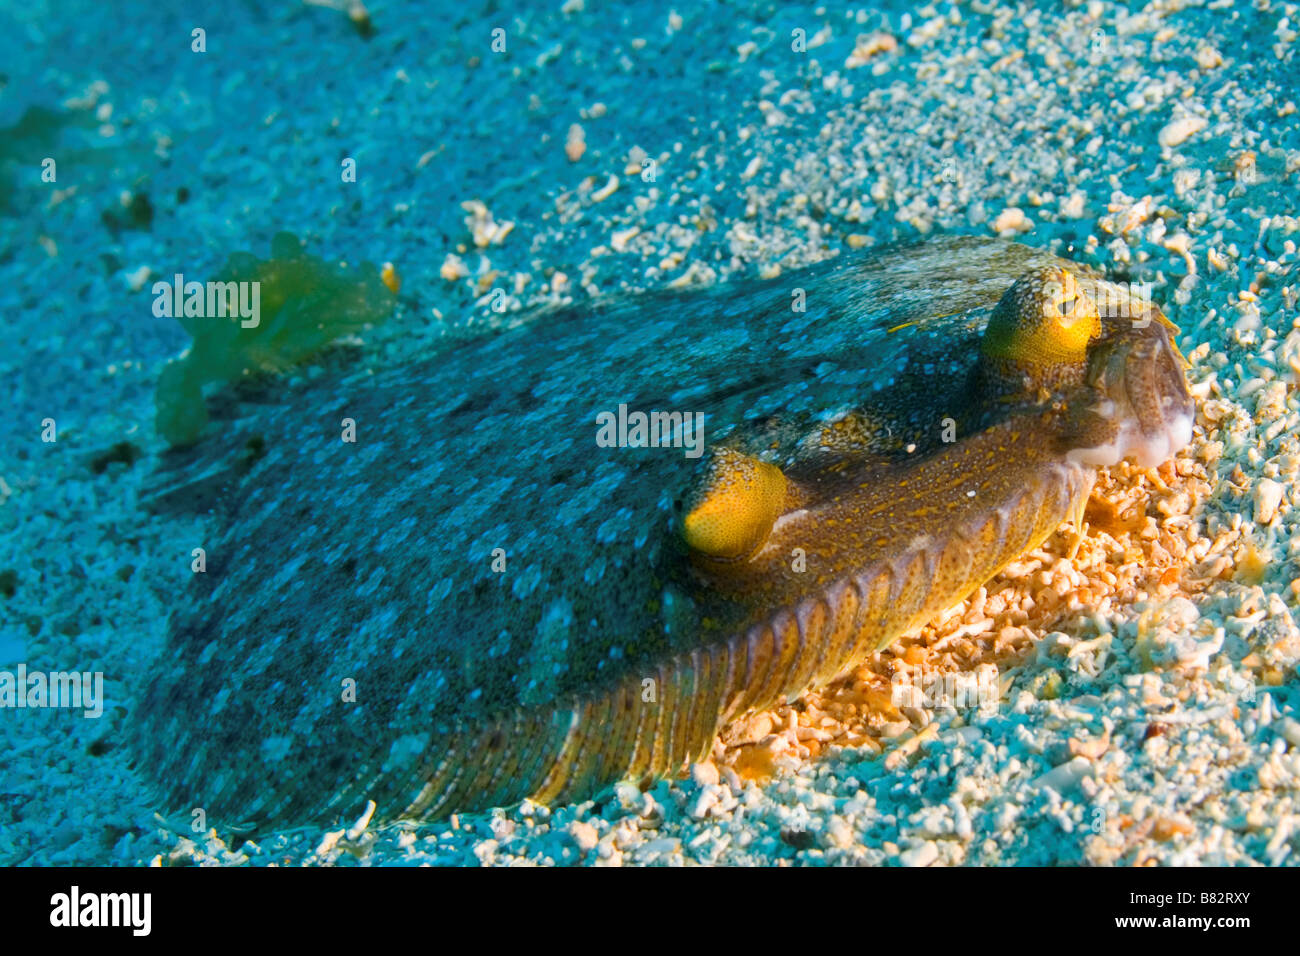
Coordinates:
1141 408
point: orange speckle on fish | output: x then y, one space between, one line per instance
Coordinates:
390 278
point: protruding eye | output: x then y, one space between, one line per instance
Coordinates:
1045 319
732 510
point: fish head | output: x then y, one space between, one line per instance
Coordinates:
1137 404
1104 352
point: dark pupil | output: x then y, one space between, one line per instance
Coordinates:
1066 306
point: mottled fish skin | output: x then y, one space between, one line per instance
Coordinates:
606 649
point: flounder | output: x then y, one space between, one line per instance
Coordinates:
477 601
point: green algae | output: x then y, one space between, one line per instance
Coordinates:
38 130
38 133
305 304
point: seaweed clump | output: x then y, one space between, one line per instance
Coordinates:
37 134
304 304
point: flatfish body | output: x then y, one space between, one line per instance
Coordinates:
504 589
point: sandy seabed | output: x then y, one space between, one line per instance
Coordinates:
1148 703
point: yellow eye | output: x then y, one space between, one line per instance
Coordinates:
1045 319
733 509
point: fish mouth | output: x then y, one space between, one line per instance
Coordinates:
1141 408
